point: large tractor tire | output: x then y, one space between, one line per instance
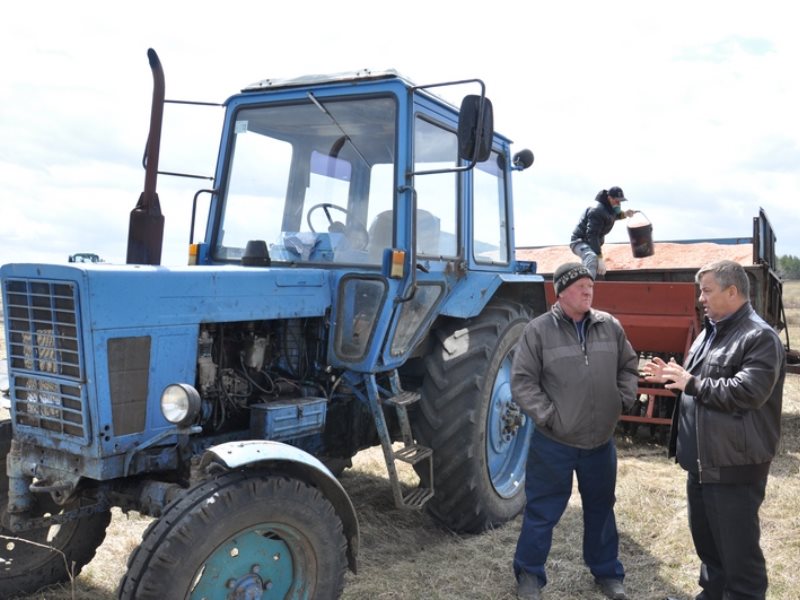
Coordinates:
246 534
479 436
31 560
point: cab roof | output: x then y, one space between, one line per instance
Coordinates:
305 80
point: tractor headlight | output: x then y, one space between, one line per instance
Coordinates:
180 404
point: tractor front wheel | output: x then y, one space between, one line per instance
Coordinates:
245 534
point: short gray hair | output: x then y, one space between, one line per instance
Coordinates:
727 273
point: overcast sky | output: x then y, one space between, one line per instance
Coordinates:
690 107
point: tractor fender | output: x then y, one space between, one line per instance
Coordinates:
301 464
471 294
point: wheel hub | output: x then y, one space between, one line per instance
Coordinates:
511 420
507 435
270 572
248 587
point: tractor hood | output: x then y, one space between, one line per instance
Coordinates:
121 296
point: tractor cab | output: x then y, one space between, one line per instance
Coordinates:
341 170
387 188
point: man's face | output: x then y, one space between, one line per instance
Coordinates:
717 303
577 298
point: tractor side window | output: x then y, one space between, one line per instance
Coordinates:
436 148
490 222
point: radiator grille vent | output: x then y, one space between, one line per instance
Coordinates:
45 356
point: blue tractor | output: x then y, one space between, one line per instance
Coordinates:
355 286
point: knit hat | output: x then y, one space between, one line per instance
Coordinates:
567 274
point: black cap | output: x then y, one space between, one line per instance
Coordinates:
616 192
567 274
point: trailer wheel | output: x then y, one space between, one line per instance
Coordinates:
244 534
479 436
31 560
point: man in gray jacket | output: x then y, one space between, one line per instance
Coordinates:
573 371
726 429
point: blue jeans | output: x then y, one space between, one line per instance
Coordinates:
548 486
587 255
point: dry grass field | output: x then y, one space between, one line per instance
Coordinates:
404 555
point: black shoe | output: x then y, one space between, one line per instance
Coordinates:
612 588
528 587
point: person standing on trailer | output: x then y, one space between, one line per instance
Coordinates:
573 370
595 223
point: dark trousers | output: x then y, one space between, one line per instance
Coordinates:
723 519
548 486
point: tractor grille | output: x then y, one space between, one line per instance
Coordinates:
45 357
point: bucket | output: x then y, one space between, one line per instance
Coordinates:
640 232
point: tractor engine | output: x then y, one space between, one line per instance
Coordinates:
257 362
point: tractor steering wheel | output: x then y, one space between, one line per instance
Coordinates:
326 206
355 233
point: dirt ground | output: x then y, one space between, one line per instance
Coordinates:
405 555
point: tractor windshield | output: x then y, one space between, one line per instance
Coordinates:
313 179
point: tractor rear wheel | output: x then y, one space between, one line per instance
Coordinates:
478 434
33 559
241 535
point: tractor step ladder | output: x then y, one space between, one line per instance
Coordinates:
411 452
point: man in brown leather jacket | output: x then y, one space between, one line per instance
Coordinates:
725 430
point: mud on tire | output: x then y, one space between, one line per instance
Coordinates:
26 568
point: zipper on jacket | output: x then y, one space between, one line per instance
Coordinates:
697 441
583 333
705 349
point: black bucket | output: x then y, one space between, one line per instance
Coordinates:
640 232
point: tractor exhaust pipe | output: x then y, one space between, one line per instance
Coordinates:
146 228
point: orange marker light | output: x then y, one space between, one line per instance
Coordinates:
398 264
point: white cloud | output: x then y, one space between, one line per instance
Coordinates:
690 110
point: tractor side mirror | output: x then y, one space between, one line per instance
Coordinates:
475 128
